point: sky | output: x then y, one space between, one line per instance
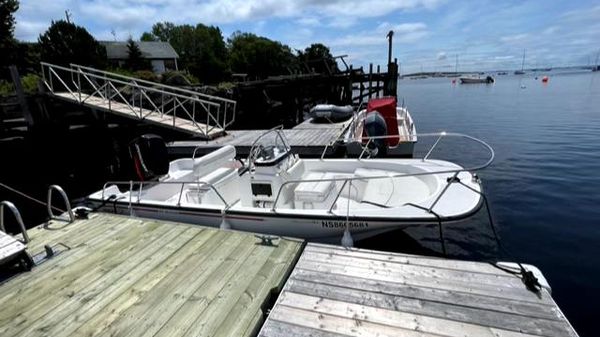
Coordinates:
429 35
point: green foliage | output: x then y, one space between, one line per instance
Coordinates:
318 58
7 27
6 88
162 31
147 37
201 49
65 43
147 75
30 83
258 56
177 78
28 57
135 59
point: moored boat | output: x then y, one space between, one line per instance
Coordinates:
275 192
475 80
392 135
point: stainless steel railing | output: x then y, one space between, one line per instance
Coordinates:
141 184
17 216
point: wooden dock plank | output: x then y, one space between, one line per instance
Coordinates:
86 300
133 292
334 291
71 285
125 276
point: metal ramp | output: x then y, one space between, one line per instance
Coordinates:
195 113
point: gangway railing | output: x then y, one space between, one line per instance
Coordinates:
142 99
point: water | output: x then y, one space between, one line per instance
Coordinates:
543 186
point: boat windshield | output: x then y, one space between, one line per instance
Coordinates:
270 148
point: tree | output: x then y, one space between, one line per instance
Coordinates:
7 28
148 37
318 58
135 60
258 56
202 50
64 43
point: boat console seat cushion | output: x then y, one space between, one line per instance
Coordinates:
214 160
315 194
179 168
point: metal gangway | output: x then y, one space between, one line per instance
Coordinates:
201 115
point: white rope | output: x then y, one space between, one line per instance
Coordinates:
30 197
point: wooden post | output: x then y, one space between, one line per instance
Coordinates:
378 88
14 73
370 79
390 36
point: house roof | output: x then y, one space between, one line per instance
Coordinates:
117 50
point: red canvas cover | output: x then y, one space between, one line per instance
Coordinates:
386 106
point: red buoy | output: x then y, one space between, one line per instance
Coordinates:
545 79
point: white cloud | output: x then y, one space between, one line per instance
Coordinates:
441 56
140 14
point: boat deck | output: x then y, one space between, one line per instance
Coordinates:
306 139
120 276
337 292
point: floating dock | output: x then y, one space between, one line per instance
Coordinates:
306 139
338 292
113 275
120 276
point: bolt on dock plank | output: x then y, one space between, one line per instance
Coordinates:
126 276
336 292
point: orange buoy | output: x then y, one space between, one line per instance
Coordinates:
545 79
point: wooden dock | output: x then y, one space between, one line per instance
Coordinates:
337 292
121 276
306 139
114 275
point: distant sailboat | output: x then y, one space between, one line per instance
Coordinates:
596 67
456 74
521 72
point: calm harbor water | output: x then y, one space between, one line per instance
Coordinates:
543 187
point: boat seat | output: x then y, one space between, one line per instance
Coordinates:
179 168
315 194
222 157
224 179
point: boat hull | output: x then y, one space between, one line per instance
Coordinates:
322 228
475 81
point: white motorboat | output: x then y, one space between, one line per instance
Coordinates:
397 140
275 192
